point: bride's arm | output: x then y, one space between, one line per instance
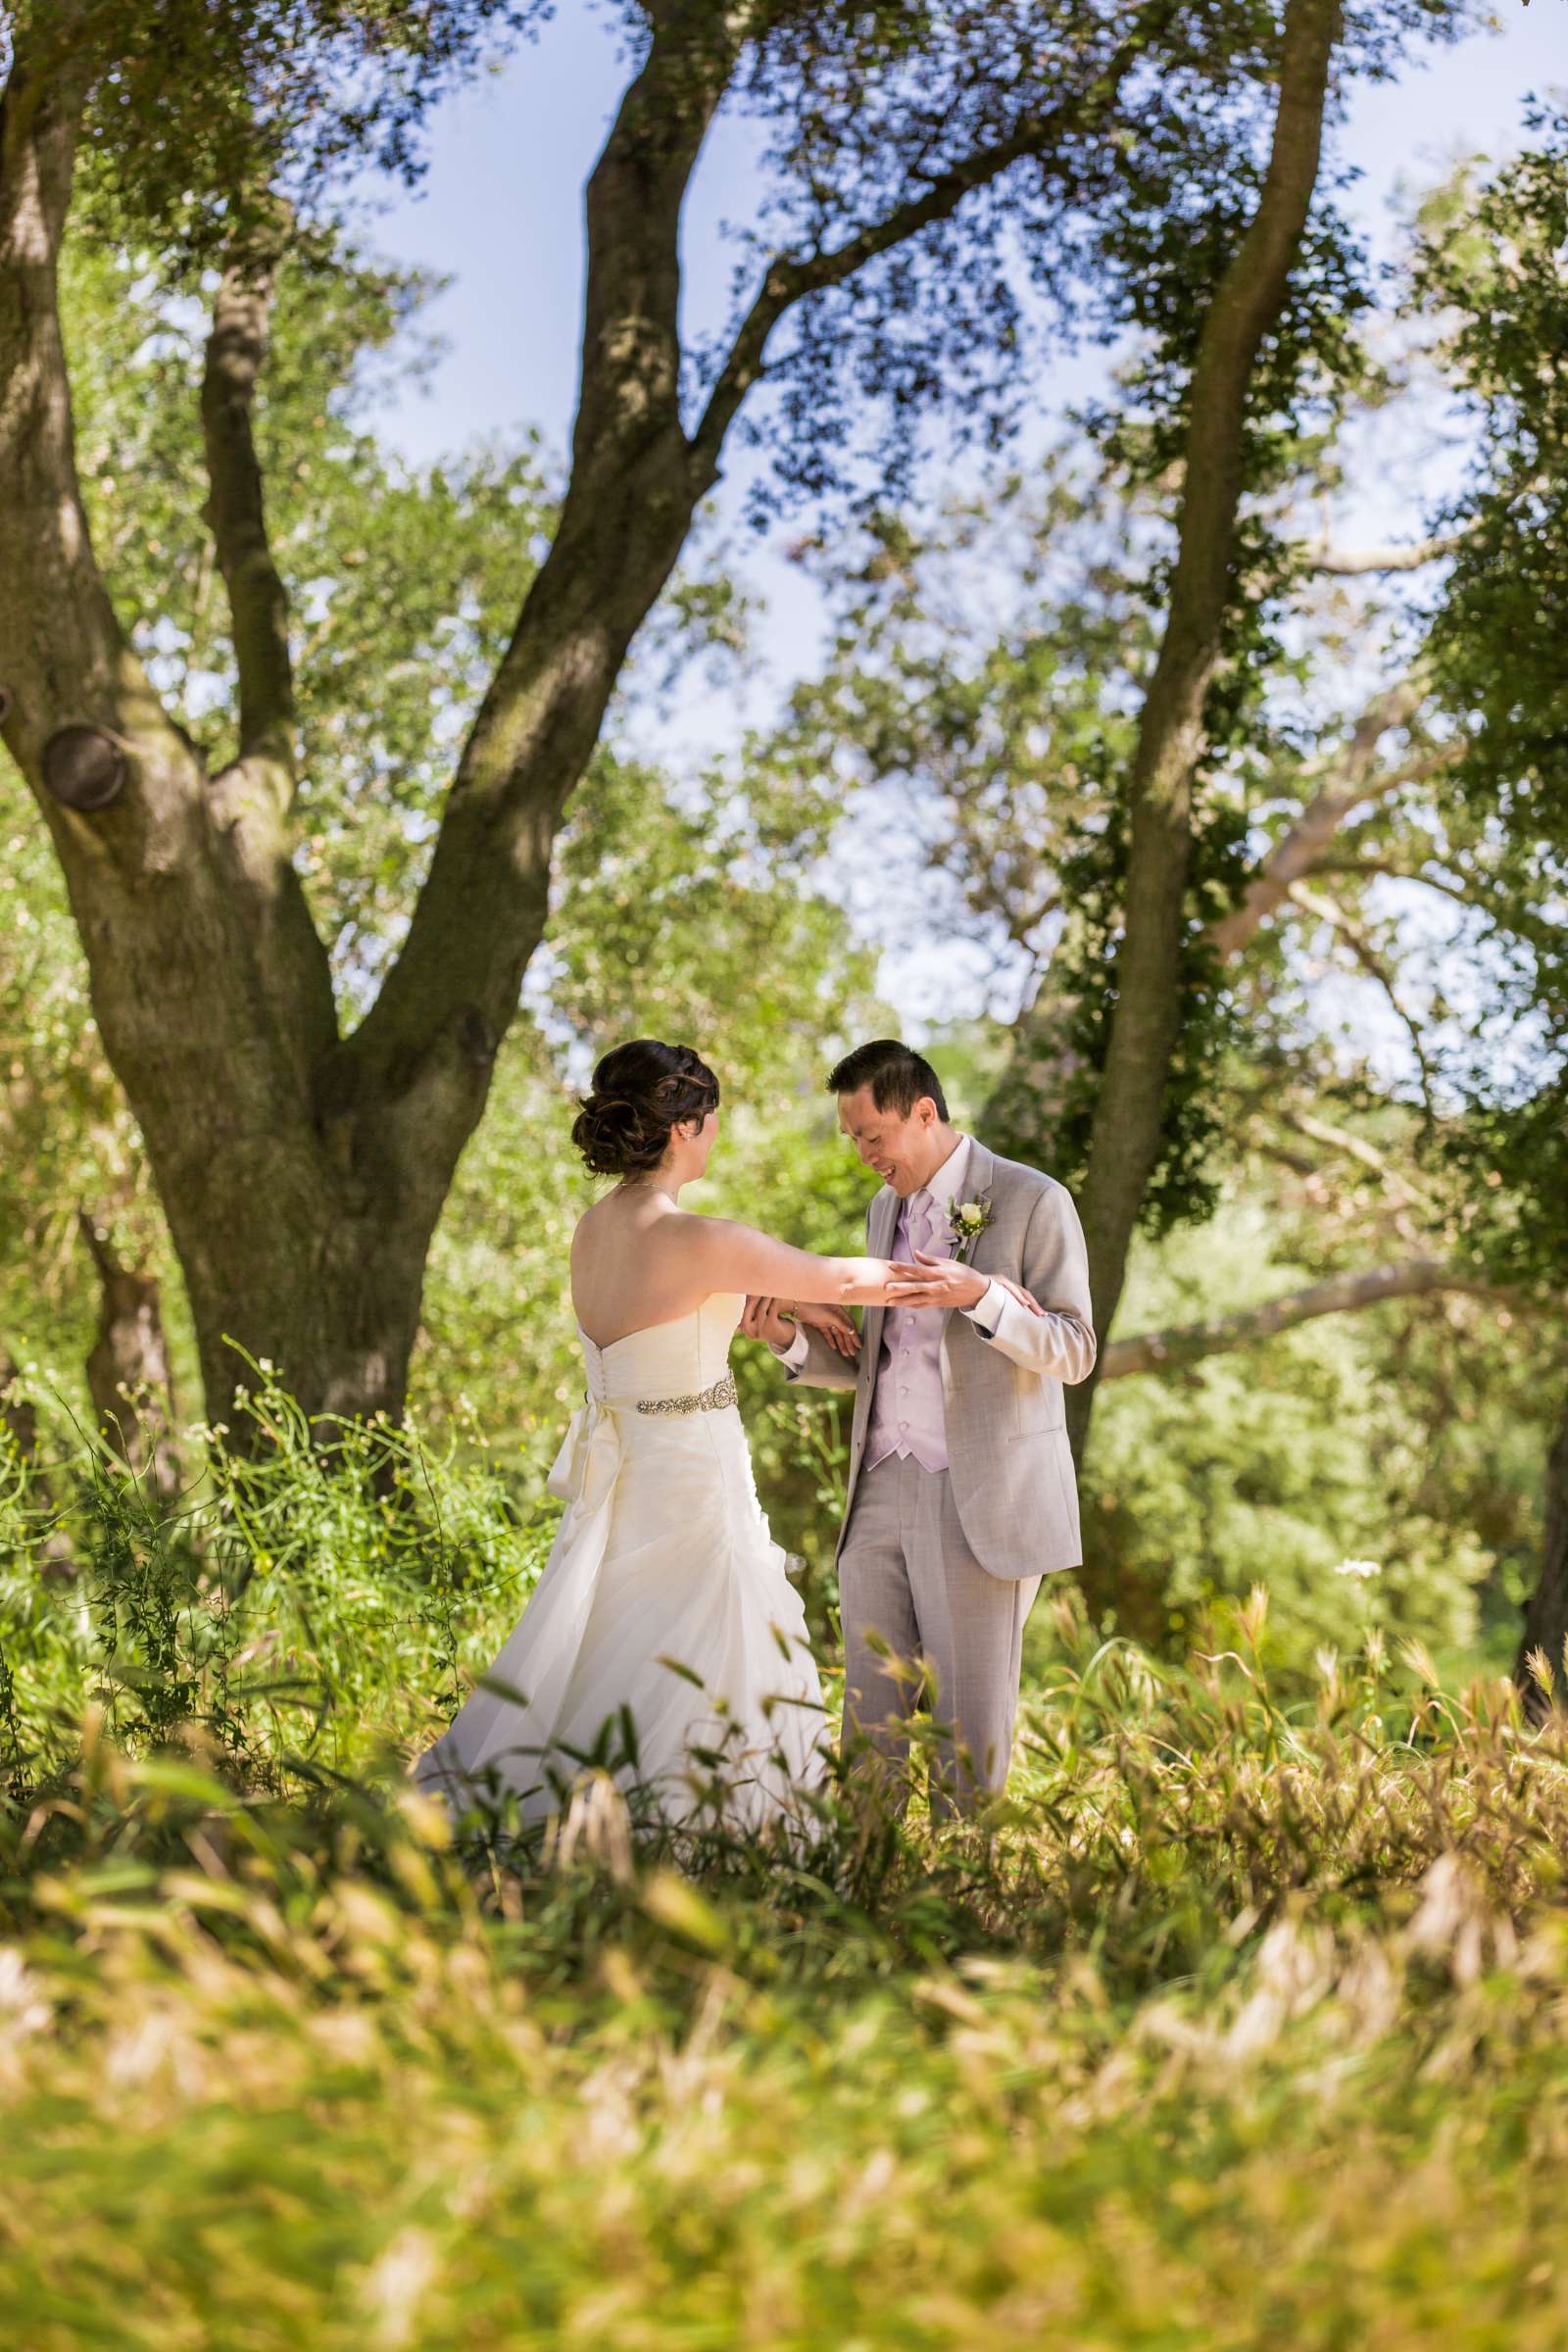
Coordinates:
737 1257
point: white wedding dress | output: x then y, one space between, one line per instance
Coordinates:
663 1612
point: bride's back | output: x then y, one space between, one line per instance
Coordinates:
627 1274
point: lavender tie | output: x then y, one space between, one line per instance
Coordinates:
923 1222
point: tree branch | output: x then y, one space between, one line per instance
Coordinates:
182 961
251 799
1350 563
257 602
789 279
1326 910
1356 1147
62 648
1341 1293
1348 782
427 1044
636 482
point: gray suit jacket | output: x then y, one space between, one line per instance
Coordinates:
1007 1452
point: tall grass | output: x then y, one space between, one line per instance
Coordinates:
1240 2022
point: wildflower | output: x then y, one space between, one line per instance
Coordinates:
1364 1570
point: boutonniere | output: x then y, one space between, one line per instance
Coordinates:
967 1220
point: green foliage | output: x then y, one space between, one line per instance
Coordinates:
1405 1440
199 120
1157 123
1488 268
66 1136
989 669
1174 242
1184 1186
1491 260
313 1598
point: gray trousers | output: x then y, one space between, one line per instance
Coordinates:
914 1594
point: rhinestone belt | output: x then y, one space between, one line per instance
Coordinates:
705 1400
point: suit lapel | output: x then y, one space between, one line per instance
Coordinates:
978 1177
981 1178
879 1240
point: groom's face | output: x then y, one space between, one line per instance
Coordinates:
904 1149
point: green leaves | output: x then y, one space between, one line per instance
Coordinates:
1490 272
201 119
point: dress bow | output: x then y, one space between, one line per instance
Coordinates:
584 1470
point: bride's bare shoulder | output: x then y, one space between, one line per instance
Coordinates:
713 1242
590 1222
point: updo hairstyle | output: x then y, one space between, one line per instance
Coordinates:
640 1092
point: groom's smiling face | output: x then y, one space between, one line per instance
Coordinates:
906 1149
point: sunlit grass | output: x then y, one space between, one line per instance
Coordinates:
1239 2023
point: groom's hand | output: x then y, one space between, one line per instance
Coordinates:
944 1283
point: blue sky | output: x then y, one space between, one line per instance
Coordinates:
501 207
500 214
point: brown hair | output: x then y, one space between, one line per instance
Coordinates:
640 1092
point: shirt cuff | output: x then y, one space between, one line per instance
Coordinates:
793 1357
986 1312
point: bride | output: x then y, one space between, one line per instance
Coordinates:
664 1639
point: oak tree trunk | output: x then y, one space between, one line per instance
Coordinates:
301 1172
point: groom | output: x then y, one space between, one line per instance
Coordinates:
961 1491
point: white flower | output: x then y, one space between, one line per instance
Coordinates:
967 1220
1365 1570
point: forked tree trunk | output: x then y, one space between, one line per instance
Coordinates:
301 1172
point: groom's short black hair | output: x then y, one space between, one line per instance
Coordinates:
897 1075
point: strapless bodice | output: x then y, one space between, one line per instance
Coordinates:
665 1359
